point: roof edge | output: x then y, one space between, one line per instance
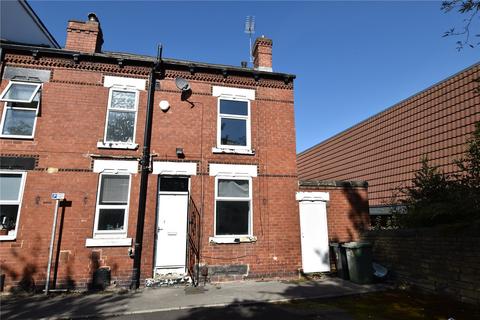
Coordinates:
388 108
333 183
39 23
150 60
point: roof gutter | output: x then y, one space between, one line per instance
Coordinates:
147 61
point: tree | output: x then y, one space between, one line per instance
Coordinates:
427 201
469 165
470 8
438 198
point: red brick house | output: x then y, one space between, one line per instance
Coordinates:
222 179
73 122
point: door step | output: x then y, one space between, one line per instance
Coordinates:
168 280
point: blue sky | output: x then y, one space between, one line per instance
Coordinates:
352 59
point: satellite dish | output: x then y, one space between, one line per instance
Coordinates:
182 84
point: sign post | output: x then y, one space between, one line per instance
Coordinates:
57 197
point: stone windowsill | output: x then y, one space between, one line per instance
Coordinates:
234 151
239 239
108 242
8 237
117 145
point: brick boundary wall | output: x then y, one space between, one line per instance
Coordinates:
442 260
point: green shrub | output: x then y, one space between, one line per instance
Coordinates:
437 198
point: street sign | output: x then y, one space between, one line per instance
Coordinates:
58 196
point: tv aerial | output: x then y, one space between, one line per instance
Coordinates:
250 30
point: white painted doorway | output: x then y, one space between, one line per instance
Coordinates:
314 231
171 239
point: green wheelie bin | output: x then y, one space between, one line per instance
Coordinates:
359 261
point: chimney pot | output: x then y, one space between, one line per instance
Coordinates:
92 17
262 54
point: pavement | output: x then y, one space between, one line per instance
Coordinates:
166 299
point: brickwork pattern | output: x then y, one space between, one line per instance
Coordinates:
262 52
84 36
440 260
347 212
386 149
71 121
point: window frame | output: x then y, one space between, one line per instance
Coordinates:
12 82
18 202
249 199
247 118
109 108
9 105
109 234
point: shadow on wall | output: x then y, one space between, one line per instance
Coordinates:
357 213
33 275
26 278
100 274
67 282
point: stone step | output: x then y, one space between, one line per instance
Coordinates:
166 280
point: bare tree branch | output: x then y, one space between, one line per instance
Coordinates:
471 8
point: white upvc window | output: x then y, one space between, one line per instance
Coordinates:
12 184
233 207
233 125
22 92
113 198
121 117
22 103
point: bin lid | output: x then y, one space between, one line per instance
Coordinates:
334 244
357 244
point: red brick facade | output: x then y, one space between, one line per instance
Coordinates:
386 149
72 120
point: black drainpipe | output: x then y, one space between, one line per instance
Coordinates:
145 164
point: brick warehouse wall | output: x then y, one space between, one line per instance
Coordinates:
72 120
442 260
386 149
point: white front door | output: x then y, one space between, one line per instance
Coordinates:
314 236
171 243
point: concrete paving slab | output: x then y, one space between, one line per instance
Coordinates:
150 300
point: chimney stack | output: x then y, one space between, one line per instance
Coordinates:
262 54
84 36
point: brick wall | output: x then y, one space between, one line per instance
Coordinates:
72 120
442 260
347 210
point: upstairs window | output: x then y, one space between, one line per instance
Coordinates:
11 192
112 205
233 123
23 92
22 101
121 116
